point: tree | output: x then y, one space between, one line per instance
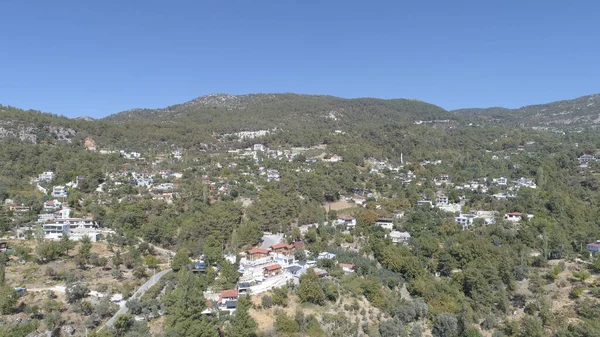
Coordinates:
446 325
531 327
48 251
286 325
66 244
75 292
309 289
212 250
392 328
8 300
185 304
181 260
85 247
243 324
122 324
53 320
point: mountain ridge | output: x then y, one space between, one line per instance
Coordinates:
580 111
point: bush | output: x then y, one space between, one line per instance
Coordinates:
266 301
445 325
76 292
285 324
280 296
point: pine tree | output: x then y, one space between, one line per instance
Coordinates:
243 324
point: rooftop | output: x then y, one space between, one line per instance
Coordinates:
258 251
273 267
228 293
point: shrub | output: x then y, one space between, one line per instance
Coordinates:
266 301
285 324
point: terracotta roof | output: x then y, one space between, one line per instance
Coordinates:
346 218
347 265
272 267
228 293
258 251
281 245
594 244
514 213
299 244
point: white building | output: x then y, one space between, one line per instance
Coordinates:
259 147
502 181
399 237
59 191
347 221
46 176
385 223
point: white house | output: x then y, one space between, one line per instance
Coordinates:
399 237
46 176
52 205
59 191
516 216
385 223
347 221
524 182
442 200
259 147
502 181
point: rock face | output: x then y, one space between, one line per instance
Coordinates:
89 144
31 133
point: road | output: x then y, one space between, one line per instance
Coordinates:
142 289
270 239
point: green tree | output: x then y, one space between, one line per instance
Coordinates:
8 300
309 289
446 325
184 306
243 324
66 244
286 325
181 260
85 248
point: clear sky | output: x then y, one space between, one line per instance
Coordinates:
98 57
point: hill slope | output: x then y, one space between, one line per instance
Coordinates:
582 111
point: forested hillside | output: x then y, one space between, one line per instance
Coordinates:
292 215
580 112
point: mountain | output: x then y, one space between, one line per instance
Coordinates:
582 111
232 113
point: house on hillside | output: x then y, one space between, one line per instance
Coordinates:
272 270
256 254
283 249
46 176
399 237
227 295
52 205
347 267
513 216
593 248
385 223
502 181
586 158
442 199
347 221
59 191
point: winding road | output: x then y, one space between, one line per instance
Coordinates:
138 293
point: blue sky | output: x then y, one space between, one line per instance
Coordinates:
95 58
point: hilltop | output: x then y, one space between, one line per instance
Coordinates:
232 113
